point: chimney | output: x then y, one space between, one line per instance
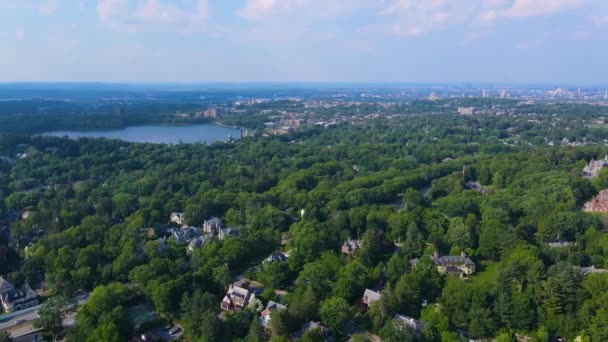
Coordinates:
463 254
436 254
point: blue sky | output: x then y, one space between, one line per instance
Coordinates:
496 41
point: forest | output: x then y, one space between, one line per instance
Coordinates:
407 188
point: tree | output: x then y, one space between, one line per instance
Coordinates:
459 234
396 266
560 292
381 310
5 337
104 308
304 306
107 332
255 331
280 324
436 322
408 294
351 281
209 326
198 315
165 296
395 332
371 246
334 311
51 313
274 274
312 335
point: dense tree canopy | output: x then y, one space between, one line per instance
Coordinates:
90 202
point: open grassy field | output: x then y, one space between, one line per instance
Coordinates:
488 272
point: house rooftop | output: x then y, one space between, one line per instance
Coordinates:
452 259
5 285
409 322
370 296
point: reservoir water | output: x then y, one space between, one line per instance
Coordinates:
159 134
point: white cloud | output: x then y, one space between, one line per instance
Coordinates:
48 7
128 15
257 9
529 8
487 17
599 20
19 34
44 7
414 18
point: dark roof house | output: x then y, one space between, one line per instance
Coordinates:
276 257
350 246
460 265
228 232
14 299
266 315
212 225
185 234
312 326
197 242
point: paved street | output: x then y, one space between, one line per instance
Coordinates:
20 323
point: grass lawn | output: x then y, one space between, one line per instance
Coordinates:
487 273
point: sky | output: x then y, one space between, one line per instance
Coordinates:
432 41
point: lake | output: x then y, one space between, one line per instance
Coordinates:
159 134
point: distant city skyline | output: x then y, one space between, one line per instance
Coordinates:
328 41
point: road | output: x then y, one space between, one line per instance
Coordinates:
21 322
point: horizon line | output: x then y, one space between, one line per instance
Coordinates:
187 83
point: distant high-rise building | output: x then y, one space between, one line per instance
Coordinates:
485 93
606 95
503 94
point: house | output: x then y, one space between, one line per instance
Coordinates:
409 322
162 244
460 265
561 244
312 326
227 232
212 225
592 269
350 246
14 299
370 296
237 298
265 316
594 167
276 257
5 285
150 232
26 215
598 203
197 242
185 234
177 218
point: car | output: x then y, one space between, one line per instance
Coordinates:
21 321
175 330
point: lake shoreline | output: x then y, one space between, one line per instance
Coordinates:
166 133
